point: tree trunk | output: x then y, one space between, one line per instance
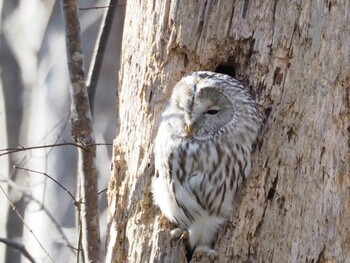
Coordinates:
295 56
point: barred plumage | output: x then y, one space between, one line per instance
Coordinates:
203 153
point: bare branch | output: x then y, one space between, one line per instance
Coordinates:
76 203
18 246
25 224
74 248
100 7
102 191
12 184
80 256
97 58
83 134
22 148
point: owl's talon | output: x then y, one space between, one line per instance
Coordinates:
178 233
204 251
184 236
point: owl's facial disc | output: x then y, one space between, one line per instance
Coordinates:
207 113
203 111
197 114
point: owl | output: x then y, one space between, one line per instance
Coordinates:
203 154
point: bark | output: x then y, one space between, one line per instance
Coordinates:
295 56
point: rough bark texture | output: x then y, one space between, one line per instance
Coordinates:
296 57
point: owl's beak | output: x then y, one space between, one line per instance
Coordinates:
189 129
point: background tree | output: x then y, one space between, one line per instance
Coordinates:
35 110
296 58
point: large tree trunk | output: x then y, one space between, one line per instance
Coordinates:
295 56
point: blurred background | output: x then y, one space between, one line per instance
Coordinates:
34 111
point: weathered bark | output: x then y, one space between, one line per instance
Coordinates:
296 57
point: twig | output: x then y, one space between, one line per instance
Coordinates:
97 58
76 203
18 246
12 184
80 248
22 148
102 191
74 248
60 133
100 7
25 224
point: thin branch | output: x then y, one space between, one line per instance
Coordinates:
22 148
14 185
60 133
82 133
74 248
24 223
18 246
80 256
100 7
102 191
54 222
76 203
97 58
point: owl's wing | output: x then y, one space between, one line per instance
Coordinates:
198 185
211 195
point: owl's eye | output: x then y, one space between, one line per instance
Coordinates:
211 112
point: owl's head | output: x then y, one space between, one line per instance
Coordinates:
203 104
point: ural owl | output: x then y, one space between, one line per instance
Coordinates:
203 154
